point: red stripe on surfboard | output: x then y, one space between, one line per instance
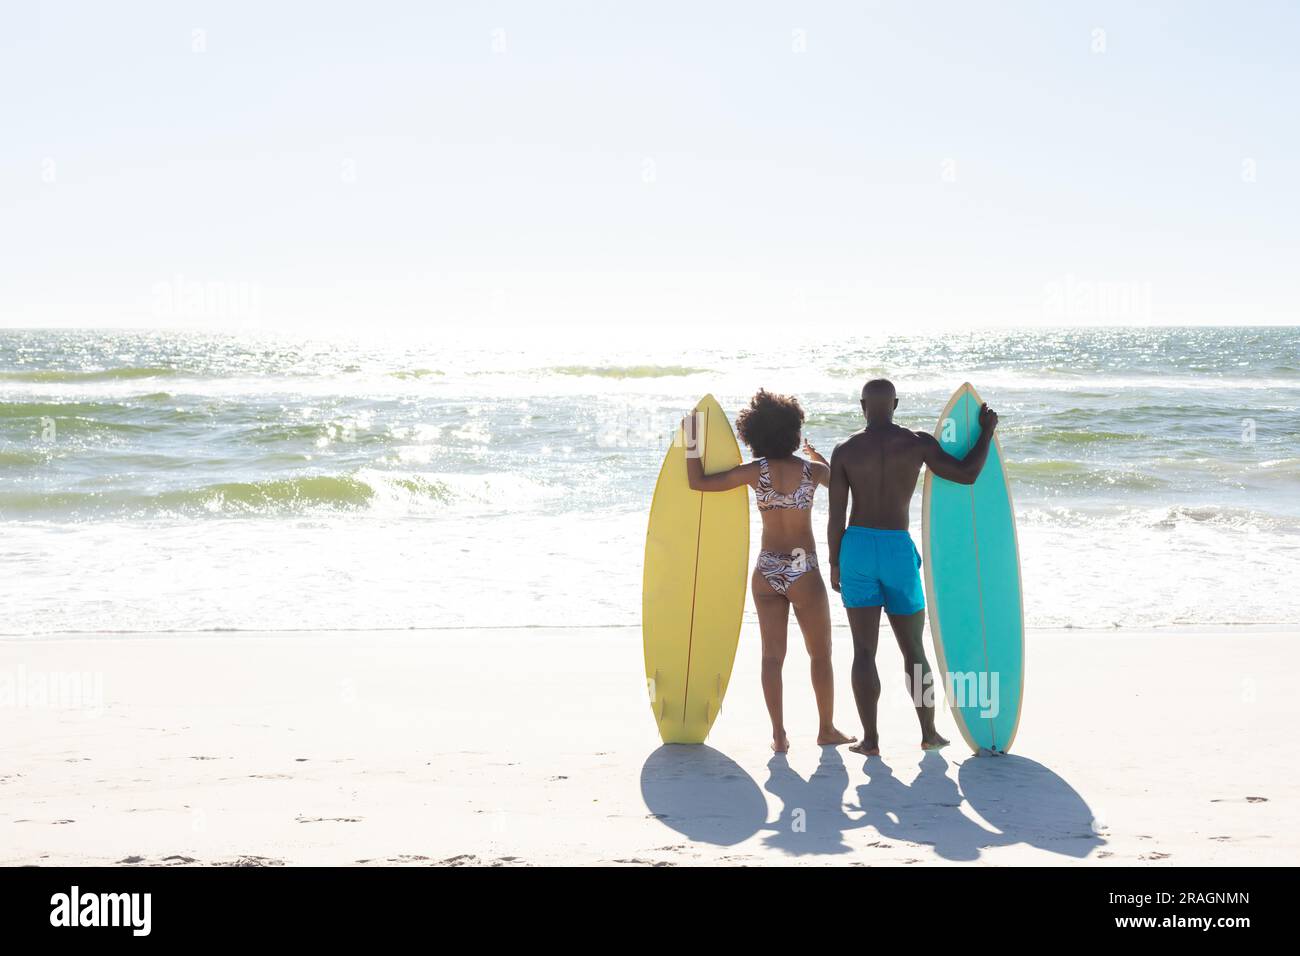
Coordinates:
695 581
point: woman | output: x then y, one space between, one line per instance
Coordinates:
787 574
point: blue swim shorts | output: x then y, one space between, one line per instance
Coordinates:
880 567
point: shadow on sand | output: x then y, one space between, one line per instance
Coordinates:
702 794
813 818
706 796
1027 803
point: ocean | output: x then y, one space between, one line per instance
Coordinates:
156 481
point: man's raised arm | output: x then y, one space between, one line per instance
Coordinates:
964 471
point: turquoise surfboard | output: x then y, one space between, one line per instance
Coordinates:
972 585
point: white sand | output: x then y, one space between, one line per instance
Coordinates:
537 747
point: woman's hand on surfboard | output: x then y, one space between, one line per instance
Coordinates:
691 435
988 418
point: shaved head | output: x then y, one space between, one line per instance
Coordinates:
878 388
879 401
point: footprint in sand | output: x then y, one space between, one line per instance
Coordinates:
401 858
636 861
1240 800
251 861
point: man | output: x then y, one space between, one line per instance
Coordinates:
874 563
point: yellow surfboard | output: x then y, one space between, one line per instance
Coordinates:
693 591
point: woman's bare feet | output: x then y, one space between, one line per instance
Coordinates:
932 741
780 743
867 748
830 737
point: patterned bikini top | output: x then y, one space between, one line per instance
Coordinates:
769 498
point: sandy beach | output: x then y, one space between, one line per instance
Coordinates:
519 747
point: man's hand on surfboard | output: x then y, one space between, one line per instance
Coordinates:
835 577
988 418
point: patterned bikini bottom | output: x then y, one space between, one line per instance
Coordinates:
782 570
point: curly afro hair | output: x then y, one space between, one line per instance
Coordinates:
771 425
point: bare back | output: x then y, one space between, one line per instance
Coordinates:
784 527
882 464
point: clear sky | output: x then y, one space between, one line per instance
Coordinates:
563 165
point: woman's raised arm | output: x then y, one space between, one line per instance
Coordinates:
821 469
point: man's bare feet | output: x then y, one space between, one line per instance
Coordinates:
866 749
932 741
833 738
780 743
